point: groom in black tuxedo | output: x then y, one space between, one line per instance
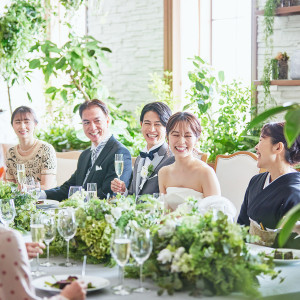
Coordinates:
96 164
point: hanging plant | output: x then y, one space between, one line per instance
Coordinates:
21 26
269 12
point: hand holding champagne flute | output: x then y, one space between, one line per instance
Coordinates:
119 164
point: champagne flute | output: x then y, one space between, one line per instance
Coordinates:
50 231
21 174
67 227
120 250
119 164
30 185
7 211
141 247
37 236
73 190
92 191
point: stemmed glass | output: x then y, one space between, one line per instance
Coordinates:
37 236
7 211
92 191
21 174
73 190
120 250
50 231
141 247
66 225
119 164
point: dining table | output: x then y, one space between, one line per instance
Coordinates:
289 289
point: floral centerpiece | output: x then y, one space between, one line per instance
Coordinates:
203 254
24 204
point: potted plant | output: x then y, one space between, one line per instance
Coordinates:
282 63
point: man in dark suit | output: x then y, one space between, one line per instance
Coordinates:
96 164
153 119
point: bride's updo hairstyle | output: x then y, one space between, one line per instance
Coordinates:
184 117
276 133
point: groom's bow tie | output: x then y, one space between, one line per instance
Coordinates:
150 154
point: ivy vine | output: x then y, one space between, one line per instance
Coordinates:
268 22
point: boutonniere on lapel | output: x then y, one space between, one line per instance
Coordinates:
145 173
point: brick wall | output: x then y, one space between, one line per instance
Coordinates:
286 38
133 30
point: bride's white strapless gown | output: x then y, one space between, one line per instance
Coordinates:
178 195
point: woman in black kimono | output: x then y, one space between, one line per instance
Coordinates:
272 194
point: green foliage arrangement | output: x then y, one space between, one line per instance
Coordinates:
21 25
24 204
205 255
223 109
79 60
161 88
62 138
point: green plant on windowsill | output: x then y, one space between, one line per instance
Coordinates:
223 110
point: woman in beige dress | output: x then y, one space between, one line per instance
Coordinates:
38 157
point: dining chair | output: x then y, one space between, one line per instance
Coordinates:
200 155
66 165
234 173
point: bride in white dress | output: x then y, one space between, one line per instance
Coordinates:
187 176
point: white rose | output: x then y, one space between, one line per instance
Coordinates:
167 229
184 209
116 212
109 219
178 253
165 256
175 268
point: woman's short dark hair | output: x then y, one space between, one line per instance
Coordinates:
23 110
186 117
276 132
163 110
95 102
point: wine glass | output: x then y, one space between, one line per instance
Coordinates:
141 247
119 164
50 231
21 174
92 191
7 211
37 235
120 250
73 190
66 225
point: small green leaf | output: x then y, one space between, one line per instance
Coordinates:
199 86
106 49
51 90
29 97
35 63
187 106
221 76
195 64
63 94
76 107
60 63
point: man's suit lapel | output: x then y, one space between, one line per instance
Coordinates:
101 158
84 166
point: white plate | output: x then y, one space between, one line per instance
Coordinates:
97 282
48 204
255 249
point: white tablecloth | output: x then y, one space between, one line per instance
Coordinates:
289 289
